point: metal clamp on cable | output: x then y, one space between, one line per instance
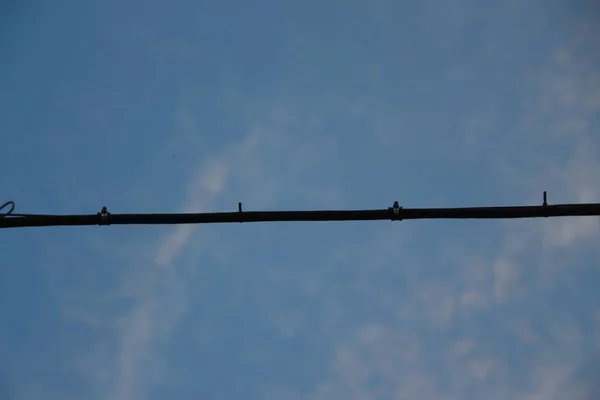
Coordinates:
545 204
396 212
104 214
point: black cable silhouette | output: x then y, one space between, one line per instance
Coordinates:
394 213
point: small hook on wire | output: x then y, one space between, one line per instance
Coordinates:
7 204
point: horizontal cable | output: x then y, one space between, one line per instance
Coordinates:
394 213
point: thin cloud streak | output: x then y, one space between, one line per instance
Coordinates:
160 291
155 316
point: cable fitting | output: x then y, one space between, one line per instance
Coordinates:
396 212
104 214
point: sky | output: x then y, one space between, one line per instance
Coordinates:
186 106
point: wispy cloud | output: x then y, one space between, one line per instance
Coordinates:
161 295
157 290
397 330
488 318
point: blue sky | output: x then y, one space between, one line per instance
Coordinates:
194 106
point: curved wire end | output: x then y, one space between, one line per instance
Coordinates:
7 204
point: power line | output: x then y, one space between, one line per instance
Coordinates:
394 213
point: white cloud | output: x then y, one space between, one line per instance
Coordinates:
373 352
462 348
204 188
565 105
506 275
522 329
480 369
579 177
558 154
160 291
439 303
474 299
551 382
374 359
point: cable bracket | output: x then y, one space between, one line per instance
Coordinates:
396 212
104 214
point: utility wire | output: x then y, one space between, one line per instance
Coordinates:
394 213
